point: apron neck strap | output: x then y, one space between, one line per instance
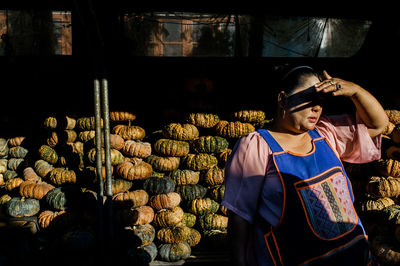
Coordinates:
272 143
314 134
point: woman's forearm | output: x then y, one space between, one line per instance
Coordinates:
238 233
368 108
370 111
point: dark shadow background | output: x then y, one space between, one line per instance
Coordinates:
164 89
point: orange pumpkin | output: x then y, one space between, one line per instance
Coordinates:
134 170
34 189
165 201
129 132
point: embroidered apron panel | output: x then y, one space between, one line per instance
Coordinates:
327 204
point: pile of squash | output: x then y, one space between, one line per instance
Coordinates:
166 186
376 187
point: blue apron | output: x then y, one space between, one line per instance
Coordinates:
318 224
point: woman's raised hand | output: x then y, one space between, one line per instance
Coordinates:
336 86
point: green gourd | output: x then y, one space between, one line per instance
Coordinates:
191 192
22 207
209 144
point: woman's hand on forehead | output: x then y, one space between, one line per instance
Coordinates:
336 86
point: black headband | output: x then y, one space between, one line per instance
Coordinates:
294 69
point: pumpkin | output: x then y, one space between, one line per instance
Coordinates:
393 115
174 252
4 198
67 122
76 147
193 238
184 176
52 139
213 176
22 207
224 210
13 183
116 156
158 185
234 129
387 252
387 167
68 135
137 197
163 164
390 215
140 235
203 120
173 234
211 221
203 206
209 144
17 152
189 219
90 176
3 148
217 193
165 200
388 129
170 147
15 163
129 132
59 176
200 161
142 215
34 189
142 255
116 141
180 131
55 219
120 116
3 165
10 174
119 185
57 199
16 141
376 204
191 192
168 217
136 149
383 186
50 123
48 154
134 170
249 116
42 168
86 135
87 123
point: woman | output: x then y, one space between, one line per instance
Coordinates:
289 199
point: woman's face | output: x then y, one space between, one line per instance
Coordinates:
302 109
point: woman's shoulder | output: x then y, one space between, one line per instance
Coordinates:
252 143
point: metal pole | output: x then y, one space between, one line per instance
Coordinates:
99 172
107 153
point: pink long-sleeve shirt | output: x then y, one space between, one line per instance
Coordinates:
252 184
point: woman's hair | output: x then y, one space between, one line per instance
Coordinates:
291 77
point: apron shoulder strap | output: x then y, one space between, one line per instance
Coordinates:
273 144
314 134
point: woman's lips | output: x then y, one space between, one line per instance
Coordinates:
312 119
